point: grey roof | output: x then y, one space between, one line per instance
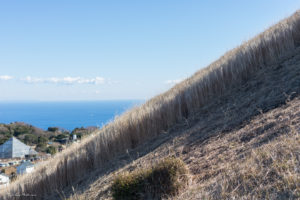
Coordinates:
32 152
14 148
26 164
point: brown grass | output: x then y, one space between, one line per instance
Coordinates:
268 172
216 162
257 161
166 178
161 112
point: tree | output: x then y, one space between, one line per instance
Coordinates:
30 139
62 136
22 129
52 129
42 140
41 147
51 150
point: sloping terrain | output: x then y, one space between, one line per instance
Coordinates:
214 120
244 145
260 160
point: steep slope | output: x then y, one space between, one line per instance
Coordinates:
258 161
245 144
258 76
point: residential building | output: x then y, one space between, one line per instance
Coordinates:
24 168
14 148
4 181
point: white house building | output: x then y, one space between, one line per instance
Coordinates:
14 148
24 168
74 137
4 181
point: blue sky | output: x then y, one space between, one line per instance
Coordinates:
98 50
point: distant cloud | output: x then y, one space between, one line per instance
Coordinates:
29 79
65 80
5 78
172 82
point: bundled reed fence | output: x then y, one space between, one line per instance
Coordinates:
161 112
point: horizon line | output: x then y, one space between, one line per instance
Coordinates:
80 100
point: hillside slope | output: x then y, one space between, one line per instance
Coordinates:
258 161
245 144
251 80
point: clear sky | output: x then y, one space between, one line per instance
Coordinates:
94 50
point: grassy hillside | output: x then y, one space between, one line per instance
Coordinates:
251 131
258 160
256 77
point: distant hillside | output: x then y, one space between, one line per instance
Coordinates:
21 130
37 137
235 124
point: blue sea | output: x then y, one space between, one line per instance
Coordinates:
67 115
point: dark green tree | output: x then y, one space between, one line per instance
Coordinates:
51 150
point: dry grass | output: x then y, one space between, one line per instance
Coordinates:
258 161
161 112
166 178
268 172
215 163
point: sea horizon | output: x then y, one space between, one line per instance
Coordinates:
68 115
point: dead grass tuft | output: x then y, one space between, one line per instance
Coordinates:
167 177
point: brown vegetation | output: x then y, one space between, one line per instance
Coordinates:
264 166
161 113
165 178
218 159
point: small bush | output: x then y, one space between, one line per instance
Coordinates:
53 129
166 178
41 147
51 150
30 139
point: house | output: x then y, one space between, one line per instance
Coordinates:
14 148
4 181
24 168
74 137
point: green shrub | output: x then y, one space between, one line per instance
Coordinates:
61 136
53 129
30 139
42 140
166 178
22 129
40 147
51 150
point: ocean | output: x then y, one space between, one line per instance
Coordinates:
67 115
